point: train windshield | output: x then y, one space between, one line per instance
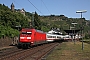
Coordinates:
26 32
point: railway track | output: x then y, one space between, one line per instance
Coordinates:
6 52
35 53
42 52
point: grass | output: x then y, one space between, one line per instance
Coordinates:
70 51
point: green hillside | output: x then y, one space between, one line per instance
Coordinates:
64 23
12 21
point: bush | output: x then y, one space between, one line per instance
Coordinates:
8 31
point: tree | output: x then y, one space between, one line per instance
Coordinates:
9 20
37 22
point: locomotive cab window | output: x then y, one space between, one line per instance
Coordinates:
26 33
23 32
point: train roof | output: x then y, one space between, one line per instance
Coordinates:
52 34
39 31
53 31
29 29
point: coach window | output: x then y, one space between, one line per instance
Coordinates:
58 37
49 36
54 37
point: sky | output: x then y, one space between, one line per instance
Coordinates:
54 7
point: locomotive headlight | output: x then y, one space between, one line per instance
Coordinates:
28 37
21 37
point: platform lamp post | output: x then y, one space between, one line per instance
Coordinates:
81 11
74 31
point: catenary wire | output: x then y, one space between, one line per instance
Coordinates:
35 6
17 3
45 6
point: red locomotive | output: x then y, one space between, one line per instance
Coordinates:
29 37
